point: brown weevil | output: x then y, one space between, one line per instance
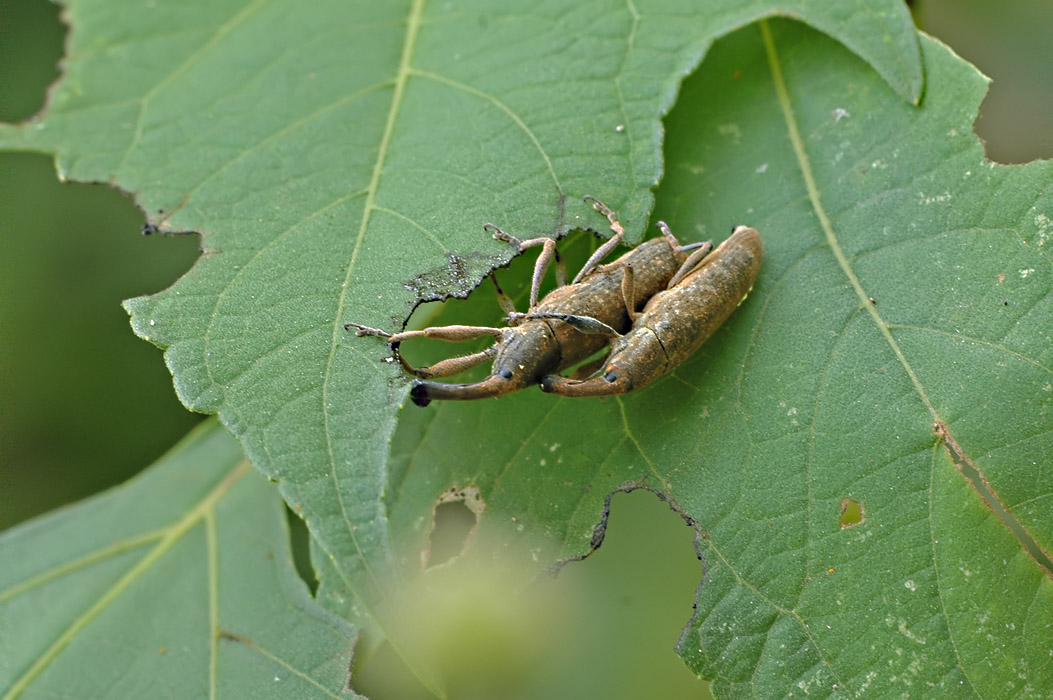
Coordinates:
576 320
675 321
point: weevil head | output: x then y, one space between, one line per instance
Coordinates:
525 354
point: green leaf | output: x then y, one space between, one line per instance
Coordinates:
180 581
340 164
907 284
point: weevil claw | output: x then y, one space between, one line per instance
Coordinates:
361 330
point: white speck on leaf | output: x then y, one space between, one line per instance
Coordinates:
945 197
1045 228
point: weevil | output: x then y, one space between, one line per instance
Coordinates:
675 321
567 326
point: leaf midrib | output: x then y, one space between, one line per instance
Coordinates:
804 163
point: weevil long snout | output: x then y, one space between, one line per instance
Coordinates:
423 391
675 322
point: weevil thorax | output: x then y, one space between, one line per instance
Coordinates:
527 352
636 360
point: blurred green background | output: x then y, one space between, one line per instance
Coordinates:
84 404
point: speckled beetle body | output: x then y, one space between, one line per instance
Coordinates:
675 321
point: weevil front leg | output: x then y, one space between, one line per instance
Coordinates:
452 366
544 259
585 324
455 333
608 246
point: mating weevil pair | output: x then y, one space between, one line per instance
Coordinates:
685 291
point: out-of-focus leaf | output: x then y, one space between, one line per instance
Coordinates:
179 583
340 163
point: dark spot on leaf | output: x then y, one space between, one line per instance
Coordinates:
150 229
851 513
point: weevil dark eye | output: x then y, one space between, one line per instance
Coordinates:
611 376
505 373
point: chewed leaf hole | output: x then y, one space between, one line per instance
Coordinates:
851 513
453 523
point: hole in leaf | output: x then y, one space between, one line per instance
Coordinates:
32 47
453 522
851 513
1007 42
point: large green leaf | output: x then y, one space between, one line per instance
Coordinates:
177 583
340 163
340 185
897 341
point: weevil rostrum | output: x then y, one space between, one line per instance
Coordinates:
654 306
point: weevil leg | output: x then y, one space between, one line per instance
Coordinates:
693 262
675 244
544 259
608 246
699 253
453 334
585 324
507 305
361 330
452 366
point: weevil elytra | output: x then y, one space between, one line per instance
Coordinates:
675 321
569 325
